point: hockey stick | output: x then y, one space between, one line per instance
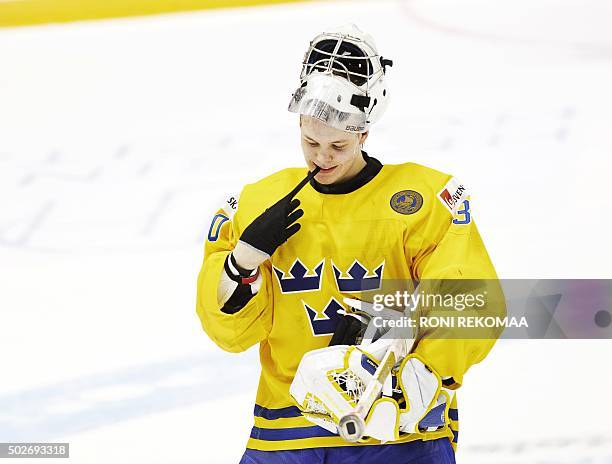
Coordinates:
351 427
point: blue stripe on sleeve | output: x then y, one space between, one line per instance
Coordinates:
453 414
272 414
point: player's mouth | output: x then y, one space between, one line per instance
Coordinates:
326 170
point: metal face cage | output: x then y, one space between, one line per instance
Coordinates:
343 56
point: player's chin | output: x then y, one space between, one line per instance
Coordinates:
327 178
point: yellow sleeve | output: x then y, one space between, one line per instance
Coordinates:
250 325
454 250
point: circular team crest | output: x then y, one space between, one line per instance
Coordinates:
406 202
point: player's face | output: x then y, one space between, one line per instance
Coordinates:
336 152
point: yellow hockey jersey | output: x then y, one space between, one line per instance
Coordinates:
407 222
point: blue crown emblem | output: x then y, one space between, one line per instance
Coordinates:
326 322
300 280
359 280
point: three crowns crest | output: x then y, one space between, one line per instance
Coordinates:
299 278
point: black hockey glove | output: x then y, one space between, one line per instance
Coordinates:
276 224
348 332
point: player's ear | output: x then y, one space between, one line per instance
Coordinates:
363 137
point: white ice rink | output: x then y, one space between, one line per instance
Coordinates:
119 138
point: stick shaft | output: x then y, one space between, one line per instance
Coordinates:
352 425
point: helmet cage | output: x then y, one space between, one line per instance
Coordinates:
345 56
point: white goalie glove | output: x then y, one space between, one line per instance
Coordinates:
330 381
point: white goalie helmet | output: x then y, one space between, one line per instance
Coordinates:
343 80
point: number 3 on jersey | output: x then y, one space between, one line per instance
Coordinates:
463 215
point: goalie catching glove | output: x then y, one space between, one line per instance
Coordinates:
329 382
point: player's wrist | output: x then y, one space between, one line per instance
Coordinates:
248 257
239 274
239 270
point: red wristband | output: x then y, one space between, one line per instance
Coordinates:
250 279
